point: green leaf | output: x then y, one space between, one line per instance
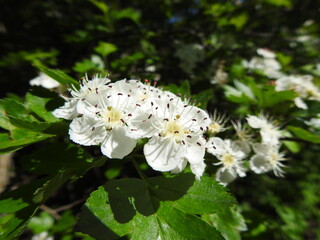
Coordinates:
59 76
291 145
87 65
130 13
203 98
19 138
229 222
272 97
304 134
41 223
100 5
51 159
126 62
30 125
24 210
161 206
39 106
65 223
24 201
280 3
183 89
240 20
105 48
13 108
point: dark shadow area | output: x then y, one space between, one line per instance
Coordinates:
126 196
93 226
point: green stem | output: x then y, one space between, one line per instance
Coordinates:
142 176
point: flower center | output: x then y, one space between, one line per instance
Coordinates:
215 128
113 118
228 160
274 158
174 130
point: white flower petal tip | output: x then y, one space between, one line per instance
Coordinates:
266 53
117 144
43 80
259 164
198 169
225 176
68 111
163 154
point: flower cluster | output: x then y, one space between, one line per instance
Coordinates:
114 115
266 63
232 153
302 85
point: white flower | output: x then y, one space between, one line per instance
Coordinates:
220 77
241 131
144 93
268 130
230 156
176 135
302 85
267 158
266 53
87 94
68 111
314 122
42 236
43 80
217 124
110 123
267 64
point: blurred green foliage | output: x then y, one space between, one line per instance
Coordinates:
181 44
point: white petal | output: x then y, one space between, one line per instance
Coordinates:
163 154
117 144
86 131
261 148
256 122
67 111
195 118
195 150
180 167
270 136
216 146
243 146
225 176
259 164
45 81
143 123
240 169
198 169
266 53
300 103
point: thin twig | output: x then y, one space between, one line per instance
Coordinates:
51 211
139 171
70 205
